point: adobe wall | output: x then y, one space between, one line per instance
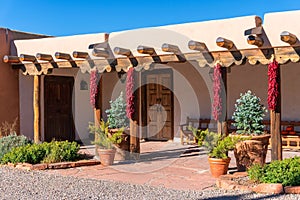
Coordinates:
9 84
82 110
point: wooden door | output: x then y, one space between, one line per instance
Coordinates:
59 123
159 98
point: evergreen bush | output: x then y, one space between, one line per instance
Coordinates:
11 141
117 113
286 172
55 151
248 115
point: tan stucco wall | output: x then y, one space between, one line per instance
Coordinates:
240 79
290 92
26 105
82 110
9 83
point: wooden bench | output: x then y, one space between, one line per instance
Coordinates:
289 141
186 135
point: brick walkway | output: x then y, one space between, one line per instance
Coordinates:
166 164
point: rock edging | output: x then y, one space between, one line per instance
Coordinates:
227 182
60 165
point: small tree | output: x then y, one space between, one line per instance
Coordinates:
248 115
117 113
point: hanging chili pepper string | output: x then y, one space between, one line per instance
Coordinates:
129 93
94 79
273 86
217 101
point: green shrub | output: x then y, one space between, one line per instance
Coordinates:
198 134
62 151
104 139
43 153
11 141
116 115
286 172
248 114
218 145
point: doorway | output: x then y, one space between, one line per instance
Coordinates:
157 104
58 123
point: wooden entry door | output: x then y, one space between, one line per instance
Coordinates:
59 123
159 98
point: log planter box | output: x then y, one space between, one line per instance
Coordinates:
251 151
122 149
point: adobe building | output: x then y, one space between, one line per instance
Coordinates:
173 67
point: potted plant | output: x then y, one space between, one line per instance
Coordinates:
105 142
248 116
198 134
116 116
218 147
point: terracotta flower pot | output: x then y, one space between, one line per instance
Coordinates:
107 156
218 166
251 152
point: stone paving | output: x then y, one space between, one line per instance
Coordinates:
167 164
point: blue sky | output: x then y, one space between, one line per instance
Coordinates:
66 17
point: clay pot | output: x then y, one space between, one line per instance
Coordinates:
107 156
251 152
218 166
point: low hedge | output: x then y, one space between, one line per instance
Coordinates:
9 142
286 172
55 151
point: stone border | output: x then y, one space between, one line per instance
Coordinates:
61 165
226 182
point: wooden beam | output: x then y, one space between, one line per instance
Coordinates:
255 40
256 31
198 46
64 56
79 54
170 48
29 58
11 59
122 51
36 108
287 37
225 43
146 50
45 57
100 53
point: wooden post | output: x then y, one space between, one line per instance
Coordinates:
36 108
134 123
97 109
275 126
222 123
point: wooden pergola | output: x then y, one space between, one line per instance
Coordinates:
43 64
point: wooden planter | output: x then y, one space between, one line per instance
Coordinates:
218 166
122 149
252 151
107 156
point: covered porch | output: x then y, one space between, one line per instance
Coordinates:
172 70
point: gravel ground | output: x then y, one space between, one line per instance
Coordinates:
21 184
